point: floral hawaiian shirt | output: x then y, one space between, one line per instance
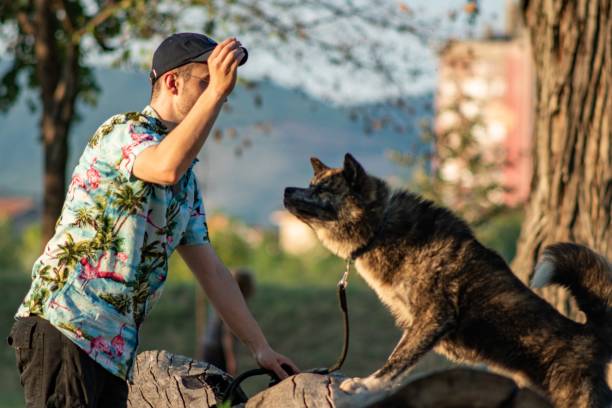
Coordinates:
107 262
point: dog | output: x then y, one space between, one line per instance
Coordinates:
449 293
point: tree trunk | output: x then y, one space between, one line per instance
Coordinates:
163 380
55 157
571 192
57 71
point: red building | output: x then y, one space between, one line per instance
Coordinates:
491 81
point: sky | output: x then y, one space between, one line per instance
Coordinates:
410 59
406 54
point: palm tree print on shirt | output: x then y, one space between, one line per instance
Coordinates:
103 270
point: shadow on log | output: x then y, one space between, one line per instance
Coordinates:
162 379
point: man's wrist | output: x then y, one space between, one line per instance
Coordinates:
257 345
214 94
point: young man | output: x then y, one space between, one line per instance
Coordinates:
132 201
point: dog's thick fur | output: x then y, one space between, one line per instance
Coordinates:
451 294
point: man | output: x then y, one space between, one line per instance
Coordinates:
132 200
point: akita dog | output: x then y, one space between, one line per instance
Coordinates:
449 293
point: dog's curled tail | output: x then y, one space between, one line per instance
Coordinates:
586 274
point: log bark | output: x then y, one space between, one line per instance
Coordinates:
571 192
165 380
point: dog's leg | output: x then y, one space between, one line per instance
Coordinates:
425 331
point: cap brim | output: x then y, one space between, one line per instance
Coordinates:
204 57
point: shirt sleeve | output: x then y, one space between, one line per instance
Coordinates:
196 232
125 142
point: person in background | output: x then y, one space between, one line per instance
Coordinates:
218 346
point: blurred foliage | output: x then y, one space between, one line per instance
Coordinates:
9 247
265 258
455 168
501 232
29 249
472 191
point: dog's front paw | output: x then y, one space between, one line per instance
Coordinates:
353 385
358 385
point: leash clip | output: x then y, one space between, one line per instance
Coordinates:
344 281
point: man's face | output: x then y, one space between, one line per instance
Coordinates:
191 85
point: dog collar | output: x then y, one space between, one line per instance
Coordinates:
365 247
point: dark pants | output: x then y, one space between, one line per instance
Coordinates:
55 372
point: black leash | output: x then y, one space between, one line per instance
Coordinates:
342 284
229 393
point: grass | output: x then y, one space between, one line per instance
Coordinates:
303 323
14 288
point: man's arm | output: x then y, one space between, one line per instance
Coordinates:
166 162
224 293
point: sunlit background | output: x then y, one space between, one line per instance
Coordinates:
441 108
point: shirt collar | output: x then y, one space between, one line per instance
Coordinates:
150 112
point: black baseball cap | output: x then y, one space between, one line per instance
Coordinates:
180 49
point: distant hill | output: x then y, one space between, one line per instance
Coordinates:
249 186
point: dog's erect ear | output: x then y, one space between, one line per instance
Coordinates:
353 172
317 165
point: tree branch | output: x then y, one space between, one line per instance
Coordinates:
64 17
25 23
103 14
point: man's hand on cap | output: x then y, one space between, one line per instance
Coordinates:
223 65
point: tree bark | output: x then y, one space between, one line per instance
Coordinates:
571 192
165 380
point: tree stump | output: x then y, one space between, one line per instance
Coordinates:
162 379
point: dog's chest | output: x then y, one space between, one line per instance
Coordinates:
395 296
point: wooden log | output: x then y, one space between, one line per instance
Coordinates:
162 379
459 387
463 387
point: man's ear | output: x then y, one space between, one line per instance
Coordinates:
169 81
353 172
317 166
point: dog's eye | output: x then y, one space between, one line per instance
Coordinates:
318 188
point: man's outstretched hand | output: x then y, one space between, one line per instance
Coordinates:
271 360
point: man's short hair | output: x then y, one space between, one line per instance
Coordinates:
182 71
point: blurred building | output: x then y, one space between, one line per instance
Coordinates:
492 81
19 211
295 237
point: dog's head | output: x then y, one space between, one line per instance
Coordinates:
342 205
